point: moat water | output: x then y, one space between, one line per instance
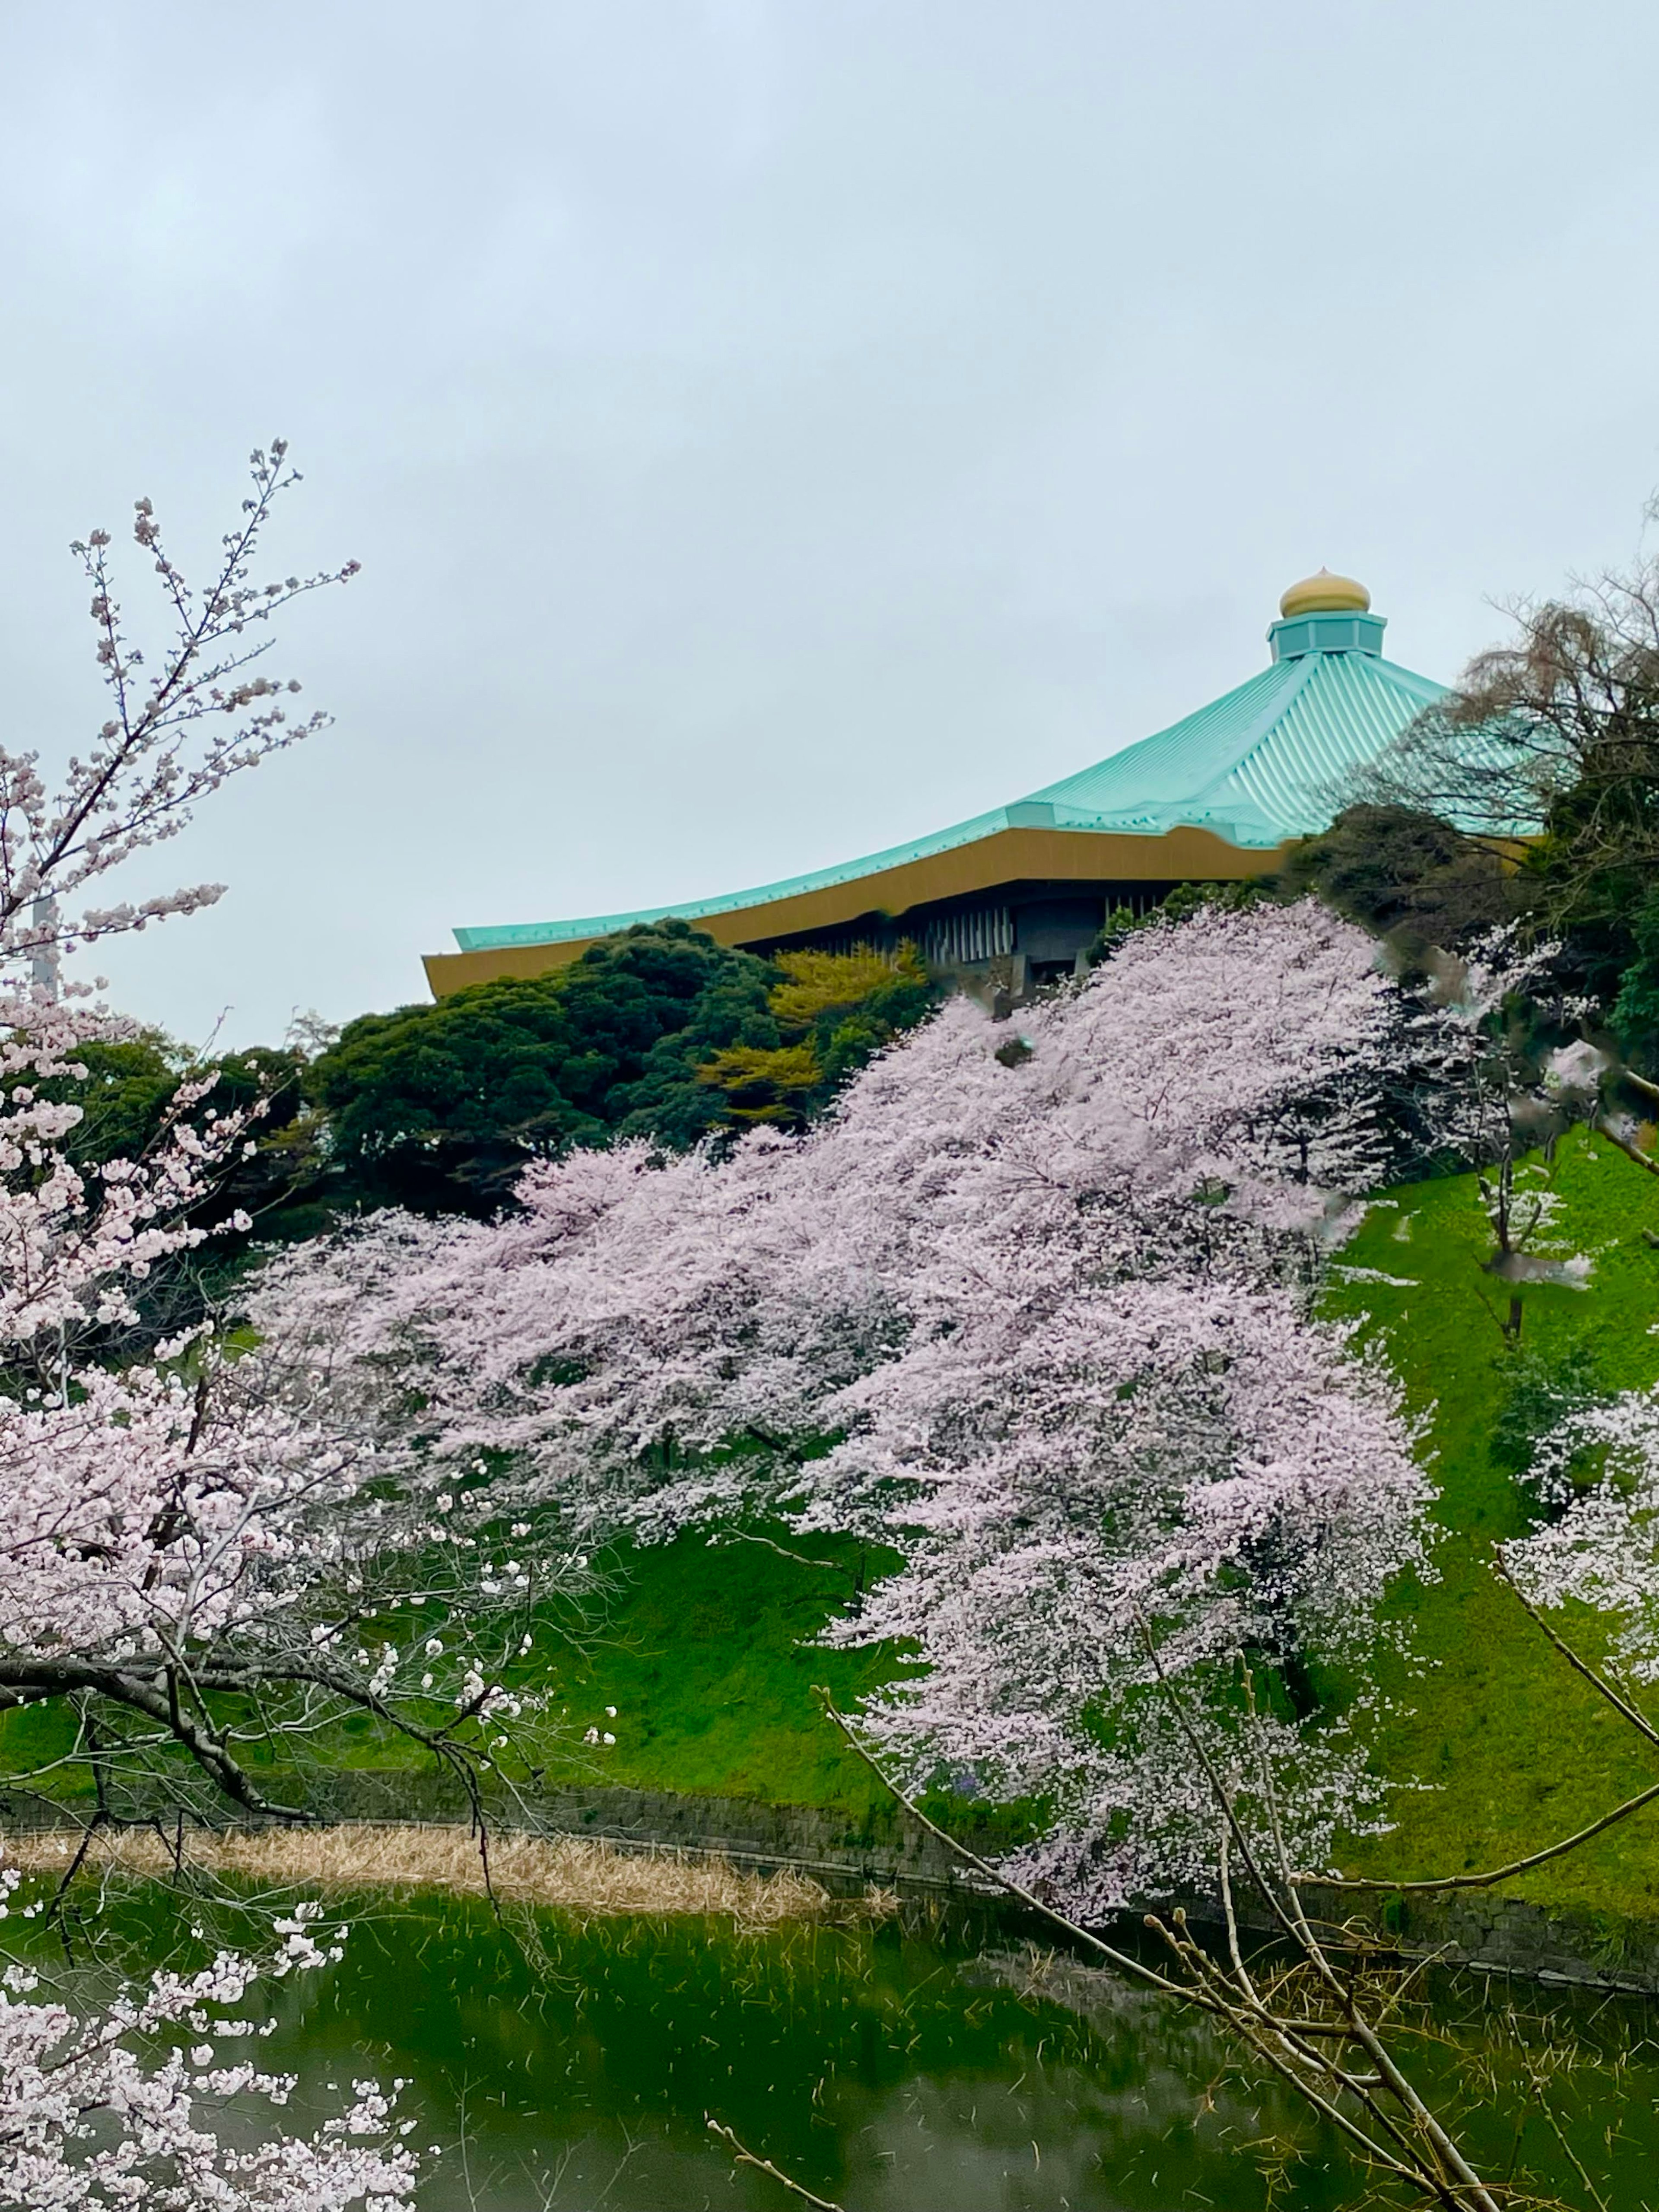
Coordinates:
919 2065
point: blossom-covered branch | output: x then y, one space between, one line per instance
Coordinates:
178 722
90 2116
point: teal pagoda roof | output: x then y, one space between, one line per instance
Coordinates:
1255 768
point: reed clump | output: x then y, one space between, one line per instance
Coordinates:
575 1874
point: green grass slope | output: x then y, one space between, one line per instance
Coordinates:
1496 1747
706 1652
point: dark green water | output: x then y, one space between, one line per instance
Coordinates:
893 2069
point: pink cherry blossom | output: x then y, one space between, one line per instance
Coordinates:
1041 1320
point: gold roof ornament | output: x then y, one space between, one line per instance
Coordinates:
1325 594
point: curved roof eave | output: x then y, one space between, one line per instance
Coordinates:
1250 768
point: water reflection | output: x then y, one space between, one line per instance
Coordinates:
891 2069
927 2066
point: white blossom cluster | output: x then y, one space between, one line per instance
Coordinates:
1599 1469
88 2118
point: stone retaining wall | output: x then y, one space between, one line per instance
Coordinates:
1483 1930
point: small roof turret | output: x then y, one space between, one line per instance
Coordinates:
1326 613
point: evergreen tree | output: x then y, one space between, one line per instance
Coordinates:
441 1108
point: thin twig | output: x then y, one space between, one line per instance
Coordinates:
1620 1704
765 2165
1494 1874
1593 1675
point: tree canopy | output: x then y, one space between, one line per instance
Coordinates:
441 1108
1543 764
1405 875
657 1032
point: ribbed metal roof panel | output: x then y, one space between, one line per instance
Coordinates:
1256 766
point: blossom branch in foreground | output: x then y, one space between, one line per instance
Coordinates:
190 1545
174 731
197 1550
86 2121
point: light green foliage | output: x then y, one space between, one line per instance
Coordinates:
835 1010
765 1083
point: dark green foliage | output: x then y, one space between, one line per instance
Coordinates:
1552 737
1594 908
1178 905
441 1107
666 1101
124 1098
1636 1009
1188 899
1405 875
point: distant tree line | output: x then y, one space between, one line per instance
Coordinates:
1529 795
657 1032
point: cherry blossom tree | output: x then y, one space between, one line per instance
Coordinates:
199 1527
1032 1306
1499 1098
1599 1472
196 1548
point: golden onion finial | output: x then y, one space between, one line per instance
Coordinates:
1325 594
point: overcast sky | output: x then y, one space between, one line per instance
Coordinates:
772 428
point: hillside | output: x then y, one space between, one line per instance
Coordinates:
1476 1739
703 1654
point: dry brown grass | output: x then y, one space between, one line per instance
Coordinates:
575 1872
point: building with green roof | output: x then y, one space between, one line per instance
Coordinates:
1216 797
